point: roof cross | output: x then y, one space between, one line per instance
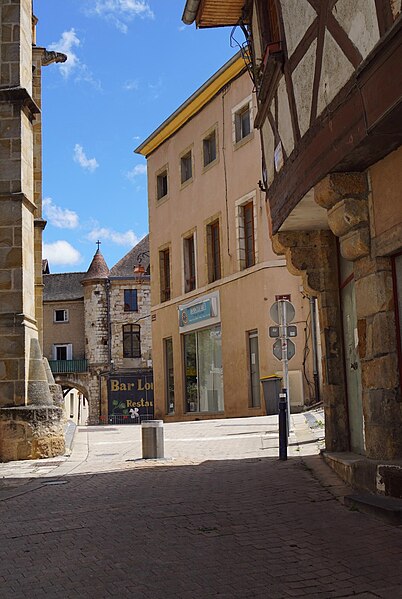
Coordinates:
98 244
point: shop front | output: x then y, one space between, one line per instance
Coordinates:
200 330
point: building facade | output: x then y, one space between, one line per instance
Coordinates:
327 79
30 417
97 337
214 275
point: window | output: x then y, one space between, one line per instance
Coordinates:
164 271
246 240
186 167
130 300
162 185
254 368
248 219
209 148
62 351
203 371
131 341
214 254
269 23
60 316
169 375
189 264
242 122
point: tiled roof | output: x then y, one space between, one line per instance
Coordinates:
98 268
139 253
63 286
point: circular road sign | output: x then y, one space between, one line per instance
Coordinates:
276 308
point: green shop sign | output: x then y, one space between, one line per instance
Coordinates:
195 313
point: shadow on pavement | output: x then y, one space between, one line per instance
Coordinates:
230 529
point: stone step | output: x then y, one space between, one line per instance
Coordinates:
386 508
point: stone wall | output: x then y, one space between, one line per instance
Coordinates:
120 317
347 198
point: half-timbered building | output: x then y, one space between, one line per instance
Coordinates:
327 75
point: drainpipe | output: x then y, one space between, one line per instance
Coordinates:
190 11
313 316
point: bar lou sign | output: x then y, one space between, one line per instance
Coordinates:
131 397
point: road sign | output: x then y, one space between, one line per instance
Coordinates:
277 348
276 308
291 331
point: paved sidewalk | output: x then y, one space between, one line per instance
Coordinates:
221 518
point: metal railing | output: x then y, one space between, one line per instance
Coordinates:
68 366
123 419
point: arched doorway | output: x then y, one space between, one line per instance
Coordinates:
76 404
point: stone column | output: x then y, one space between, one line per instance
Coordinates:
313 256
30 425
347 197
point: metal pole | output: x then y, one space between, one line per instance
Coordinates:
285 361
313 316
283 425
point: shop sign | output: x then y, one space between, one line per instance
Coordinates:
195 313
131 397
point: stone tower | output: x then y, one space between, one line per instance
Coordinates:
97 330
30 422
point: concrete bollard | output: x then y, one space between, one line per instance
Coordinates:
152 439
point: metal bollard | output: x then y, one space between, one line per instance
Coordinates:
152 439
283 426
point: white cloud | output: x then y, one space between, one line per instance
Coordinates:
61 252
138 170
66 43
80 157
59 217
120 12
129 238
130 85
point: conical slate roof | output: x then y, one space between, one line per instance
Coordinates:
98 268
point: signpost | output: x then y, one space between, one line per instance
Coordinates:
282 313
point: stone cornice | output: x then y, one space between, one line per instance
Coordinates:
19 96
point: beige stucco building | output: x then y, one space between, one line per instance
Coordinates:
214 275
97 336
328 83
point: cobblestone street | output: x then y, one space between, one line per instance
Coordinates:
200 524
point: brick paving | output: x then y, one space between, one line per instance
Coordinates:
203 525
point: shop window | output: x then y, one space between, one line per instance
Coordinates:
169 375
189 264
60 315
242 122
162 185
164 271
131 341
186 167
203 371
254 369
209 148
214 254
130 300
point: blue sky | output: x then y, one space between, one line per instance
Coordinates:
131 64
